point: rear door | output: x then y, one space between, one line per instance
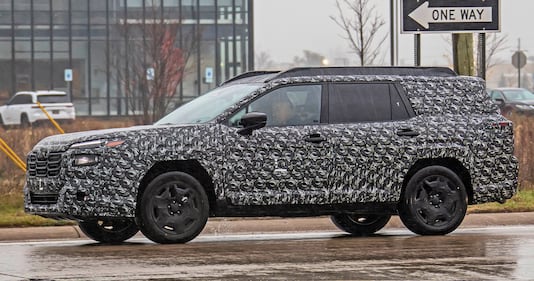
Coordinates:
372 132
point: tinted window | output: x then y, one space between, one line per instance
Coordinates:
398 107
370 102
292 105
53 98
21 99
496 95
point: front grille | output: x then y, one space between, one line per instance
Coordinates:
44 166
44 198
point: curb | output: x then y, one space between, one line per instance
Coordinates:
217 226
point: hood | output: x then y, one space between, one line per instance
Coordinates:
64 141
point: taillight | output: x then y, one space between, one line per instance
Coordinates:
503 124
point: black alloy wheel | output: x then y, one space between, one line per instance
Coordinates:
434 201
109 230
359 224
174 208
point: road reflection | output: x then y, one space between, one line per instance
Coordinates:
488 254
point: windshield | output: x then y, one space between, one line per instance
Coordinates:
208 106
519 94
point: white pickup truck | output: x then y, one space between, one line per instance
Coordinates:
22 108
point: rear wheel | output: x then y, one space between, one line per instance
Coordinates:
434 201
109 231
173 208
360 225
24 121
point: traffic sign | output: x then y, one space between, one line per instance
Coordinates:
68 75
208 75
519 59
430 16
150 74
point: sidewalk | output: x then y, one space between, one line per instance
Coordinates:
263 225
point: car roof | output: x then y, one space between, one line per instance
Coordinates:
42 93
266 76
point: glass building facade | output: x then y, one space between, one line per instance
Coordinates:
40 39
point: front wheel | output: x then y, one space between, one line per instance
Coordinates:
173 208
360 225
109 231
434 201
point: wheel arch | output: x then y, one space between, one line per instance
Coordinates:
451 163
191 167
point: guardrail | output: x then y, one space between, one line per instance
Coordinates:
50 118
12 155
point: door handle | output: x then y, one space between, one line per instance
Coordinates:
314 138
407 132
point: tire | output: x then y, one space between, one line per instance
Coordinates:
4 126
360 225
174 208
24 121
434 201
109 231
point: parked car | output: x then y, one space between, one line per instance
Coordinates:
513 100
22 108
358 144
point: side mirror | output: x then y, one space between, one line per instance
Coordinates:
499 101
252 121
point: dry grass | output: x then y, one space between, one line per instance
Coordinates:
524 148
21 140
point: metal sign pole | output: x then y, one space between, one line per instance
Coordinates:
482 55
417 47
519 68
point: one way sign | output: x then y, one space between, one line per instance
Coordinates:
429 16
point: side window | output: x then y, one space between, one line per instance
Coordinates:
366 102
21 99
350 103
287 106
496 95
398 107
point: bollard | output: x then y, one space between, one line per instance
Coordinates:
50 118
12 155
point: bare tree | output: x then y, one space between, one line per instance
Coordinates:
153 62
495 44
309 58
361 24
263 60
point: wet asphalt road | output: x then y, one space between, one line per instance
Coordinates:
496 253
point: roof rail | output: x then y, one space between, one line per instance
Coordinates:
248 75
367 70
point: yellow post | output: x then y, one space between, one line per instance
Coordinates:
50 118
12 155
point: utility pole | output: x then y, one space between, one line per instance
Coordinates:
462 49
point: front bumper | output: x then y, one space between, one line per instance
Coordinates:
60 190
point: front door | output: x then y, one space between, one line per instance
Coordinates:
286 162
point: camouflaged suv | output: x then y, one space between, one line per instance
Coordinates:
358 144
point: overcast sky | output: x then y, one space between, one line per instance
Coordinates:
284 28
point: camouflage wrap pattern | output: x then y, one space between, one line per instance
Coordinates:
363 162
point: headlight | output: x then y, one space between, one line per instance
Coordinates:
85 159
88 144
97 144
